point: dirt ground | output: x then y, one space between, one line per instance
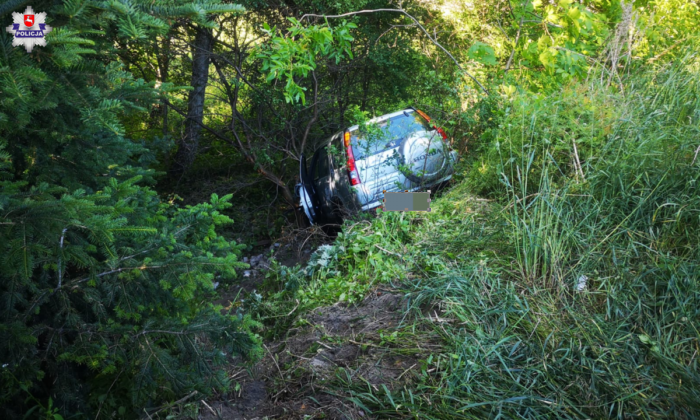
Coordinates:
287 254
301 374
289 383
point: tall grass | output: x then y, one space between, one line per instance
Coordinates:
524 343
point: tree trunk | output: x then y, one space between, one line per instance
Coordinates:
187 150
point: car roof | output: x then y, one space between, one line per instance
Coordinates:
383 118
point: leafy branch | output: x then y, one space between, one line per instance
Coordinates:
415 21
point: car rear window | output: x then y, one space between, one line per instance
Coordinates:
394 131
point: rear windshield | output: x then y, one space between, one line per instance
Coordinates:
393 132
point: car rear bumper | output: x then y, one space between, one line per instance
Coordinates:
376 203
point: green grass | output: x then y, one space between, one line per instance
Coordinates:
517 339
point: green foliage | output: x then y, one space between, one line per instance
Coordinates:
104 288
370 133
143 19
50 93
358 261
543 45
113 282
575 299
568 126
482 53
567 36
668 28
347 270
295 53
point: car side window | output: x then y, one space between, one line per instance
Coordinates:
322 167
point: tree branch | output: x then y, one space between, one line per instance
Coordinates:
60 269
251 157
314 118
403 12
515 45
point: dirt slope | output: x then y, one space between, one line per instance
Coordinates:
290 382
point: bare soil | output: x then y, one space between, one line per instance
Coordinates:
290 381
299 375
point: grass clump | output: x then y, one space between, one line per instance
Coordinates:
576 294
570 124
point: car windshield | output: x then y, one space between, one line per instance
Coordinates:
393 132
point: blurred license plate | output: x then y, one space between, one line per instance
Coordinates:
406 201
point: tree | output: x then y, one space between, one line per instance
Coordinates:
269 114
103 287
189 144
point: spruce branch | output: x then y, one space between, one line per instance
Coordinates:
144 332
60 269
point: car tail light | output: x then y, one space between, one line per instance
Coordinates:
422 114
442 132
427 118
352 169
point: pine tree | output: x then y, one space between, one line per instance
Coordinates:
103 286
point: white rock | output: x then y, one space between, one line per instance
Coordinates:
581 283
216 284
245 260
320 364
246 273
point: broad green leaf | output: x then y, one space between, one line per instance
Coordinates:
482 53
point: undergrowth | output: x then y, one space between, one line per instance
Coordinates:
574 294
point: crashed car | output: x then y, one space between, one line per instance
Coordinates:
351 170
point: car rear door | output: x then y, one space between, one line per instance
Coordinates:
380 163
379 172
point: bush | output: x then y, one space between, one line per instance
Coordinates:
102 300
567 127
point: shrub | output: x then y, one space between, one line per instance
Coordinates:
102 299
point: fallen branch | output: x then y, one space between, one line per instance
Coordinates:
404 372
666 51
324 345
210 409
389 252
295 308
357 343
166 406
